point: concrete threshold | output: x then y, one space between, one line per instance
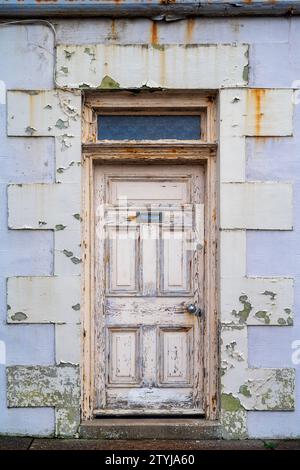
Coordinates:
150 428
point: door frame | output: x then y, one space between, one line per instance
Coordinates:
203 152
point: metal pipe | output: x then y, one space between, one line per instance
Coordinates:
156 9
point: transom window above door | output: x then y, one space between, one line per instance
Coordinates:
156 116
149 127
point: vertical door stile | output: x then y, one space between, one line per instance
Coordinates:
100 281
198 285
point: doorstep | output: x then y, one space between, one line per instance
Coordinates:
150 428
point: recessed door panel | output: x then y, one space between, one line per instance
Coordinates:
176 261
123 356
142 190
122 260
176 350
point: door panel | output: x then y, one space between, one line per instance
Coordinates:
149 267
176 262
122 268
141 190
123 353
176 351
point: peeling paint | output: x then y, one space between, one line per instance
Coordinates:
43 299
64 69
60 227
263 315
61 124
68 253
269 389
230 403
30 130
220 65
271 294
68 54
231 350
109 83
58 386
234 424
268 298
90 52
246 67
19 316
244 390
245 312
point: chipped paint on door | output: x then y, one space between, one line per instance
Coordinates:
153 270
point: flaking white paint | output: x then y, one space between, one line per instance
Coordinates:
43 299
156 66
43 113
270 299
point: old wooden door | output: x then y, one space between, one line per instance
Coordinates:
149 274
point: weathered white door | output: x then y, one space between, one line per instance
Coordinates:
149 270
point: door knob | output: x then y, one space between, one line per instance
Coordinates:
194 310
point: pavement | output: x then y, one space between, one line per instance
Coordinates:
29 443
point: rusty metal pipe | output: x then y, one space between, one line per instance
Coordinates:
156 9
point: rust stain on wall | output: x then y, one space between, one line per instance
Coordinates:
255 103
190 27
154 35
113 34
162 62
113 29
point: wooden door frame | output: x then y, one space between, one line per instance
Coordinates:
202 152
